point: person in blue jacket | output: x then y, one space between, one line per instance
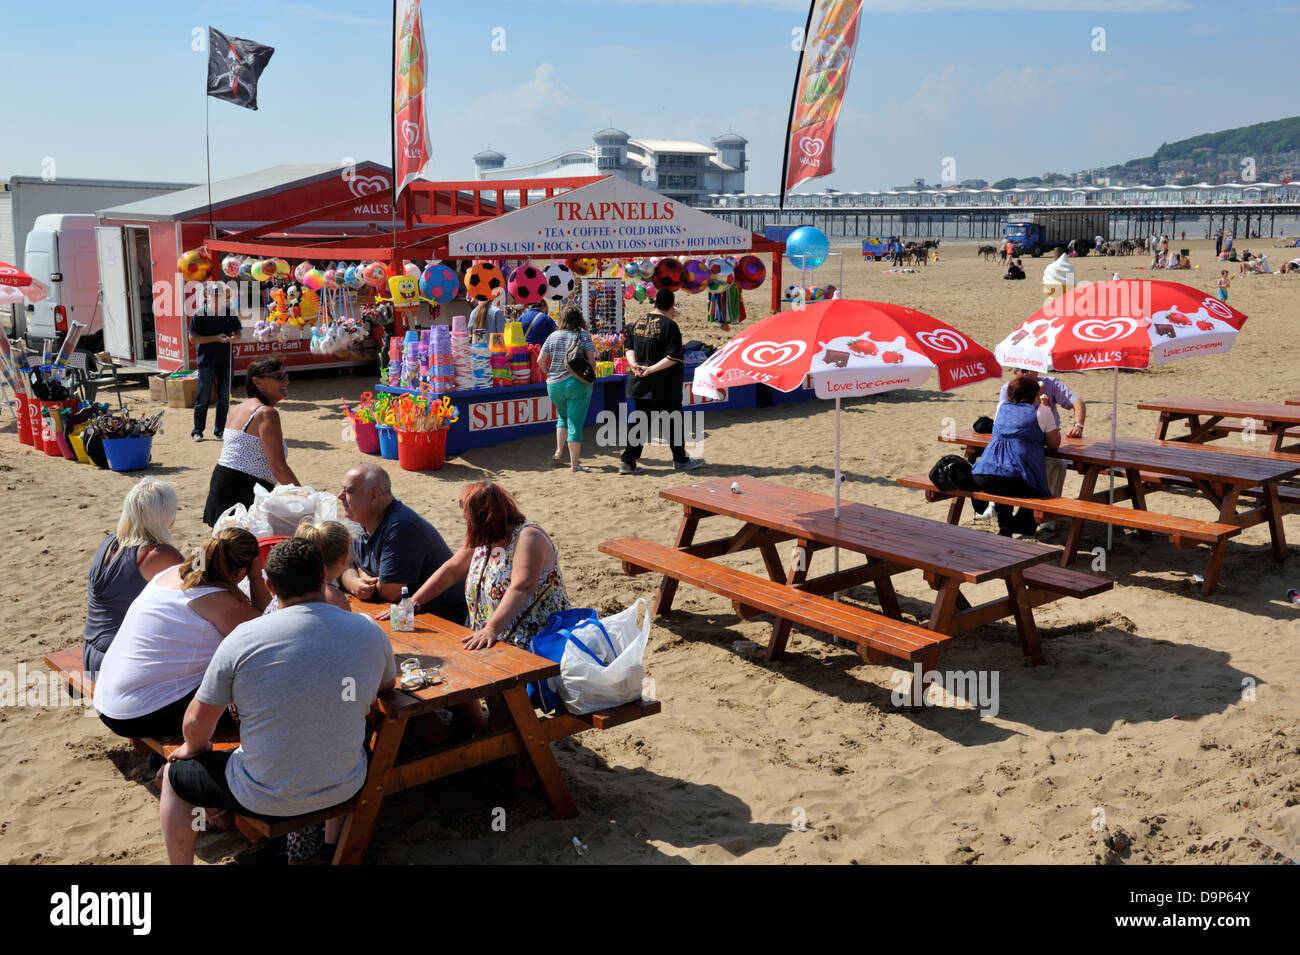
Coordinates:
1014 463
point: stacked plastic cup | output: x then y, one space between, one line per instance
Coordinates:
481 359
462 363
442 371
500 360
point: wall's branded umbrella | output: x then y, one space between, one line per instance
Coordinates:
1121 324
848 348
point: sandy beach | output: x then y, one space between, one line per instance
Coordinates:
1174 716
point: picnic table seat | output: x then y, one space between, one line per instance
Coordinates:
1181 530
877 636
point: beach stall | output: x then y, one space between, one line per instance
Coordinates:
149 295
583 239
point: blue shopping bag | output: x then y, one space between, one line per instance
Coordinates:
550 644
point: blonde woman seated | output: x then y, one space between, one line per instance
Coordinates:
334 542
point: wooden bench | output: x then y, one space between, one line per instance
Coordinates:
1181 530
876 636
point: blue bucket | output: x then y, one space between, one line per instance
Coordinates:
128 454
387 442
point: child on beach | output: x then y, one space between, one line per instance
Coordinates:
1224 281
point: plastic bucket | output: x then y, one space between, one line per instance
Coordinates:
367 437
52 424
264 545
79 448
65 446
24 419
128 454
421 450
387 441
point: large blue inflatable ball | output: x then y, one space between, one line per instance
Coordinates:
807 247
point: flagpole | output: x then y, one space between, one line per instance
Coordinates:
207 149
794 99
392 122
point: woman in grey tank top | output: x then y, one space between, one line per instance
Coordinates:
125 562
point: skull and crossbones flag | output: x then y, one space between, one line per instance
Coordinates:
234 66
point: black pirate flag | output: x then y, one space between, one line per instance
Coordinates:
234 66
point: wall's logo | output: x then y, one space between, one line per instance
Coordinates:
1105 331
944 340
1217 307
410 132
812 146
361 186
766 354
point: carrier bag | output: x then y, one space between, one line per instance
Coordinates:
586 683
953 473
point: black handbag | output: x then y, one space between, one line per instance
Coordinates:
576 361
983 425
953 473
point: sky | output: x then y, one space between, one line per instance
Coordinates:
999 87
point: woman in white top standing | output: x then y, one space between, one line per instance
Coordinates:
157 660
253 451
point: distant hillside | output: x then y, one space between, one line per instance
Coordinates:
1259 140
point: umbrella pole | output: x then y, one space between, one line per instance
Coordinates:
836 595
1114 423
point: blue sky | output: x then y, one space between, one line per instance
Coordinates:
1004 87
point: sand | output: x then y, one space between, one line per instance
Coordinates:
1171 717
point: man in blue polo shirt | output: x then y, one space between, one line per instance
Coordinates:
213 330
537 324
400 548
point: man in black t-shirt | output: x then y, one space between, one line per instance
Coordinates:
654 384
212 331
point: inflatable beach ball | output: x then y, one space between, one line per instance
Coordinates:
559 281
352 277
527 284
807 247
695 276
632 270
750 272
439 282
230 266
483 281
721 274
375 274
194 266
582 266
667 274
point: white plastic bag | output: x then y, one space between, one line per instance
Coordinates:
587 685
281 510
234 516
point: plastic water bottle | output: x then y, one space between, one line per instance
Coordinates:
404 616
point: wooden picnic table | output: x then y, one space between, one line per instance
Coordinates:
1223 477
892 542
1205 418
502 670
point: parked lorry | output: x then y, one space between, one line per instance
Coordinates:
1034 233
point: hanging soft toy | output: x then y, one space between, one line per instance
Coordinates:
292 297
279 306
309 305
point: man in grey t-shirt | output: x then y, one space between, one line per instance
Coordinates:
303 680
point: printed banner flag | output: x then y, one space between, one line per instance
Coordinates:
822 80
234 66
410 133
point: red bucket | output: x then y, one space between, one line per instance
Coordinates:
24 419
367 437
49 433
264 545
421 450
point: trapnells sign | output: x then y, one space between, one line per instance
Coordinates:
610 217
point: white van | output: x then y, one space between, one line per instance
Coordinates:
61 253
